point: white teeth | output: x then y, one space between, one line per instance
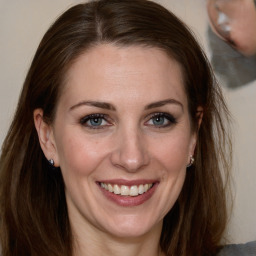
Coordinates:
124 190
134 191
141 189
117 190
110 188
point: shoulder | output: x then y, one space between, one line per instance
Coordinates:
248 249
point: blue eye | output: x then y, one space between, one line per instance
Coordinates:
94 121
161 120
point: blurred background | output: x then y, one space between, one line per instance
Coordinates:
23 23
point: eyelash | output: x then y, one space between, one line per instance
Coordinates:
102 117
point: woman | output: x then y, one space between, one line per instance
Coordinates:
118 142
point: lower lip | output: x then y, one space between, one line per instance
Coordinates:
129 201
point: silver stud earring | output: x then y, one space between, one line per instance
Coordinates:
224 23
51 162
192 160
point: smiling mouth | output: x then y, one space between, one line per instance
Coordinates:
123 190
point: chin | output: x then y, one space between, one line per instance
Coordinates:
132 227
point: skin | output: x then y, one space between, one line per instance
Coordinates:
241 16
129 144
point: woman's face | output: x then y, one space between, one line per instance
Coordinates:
123 139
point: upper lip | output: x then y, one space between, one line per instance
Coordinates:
128 182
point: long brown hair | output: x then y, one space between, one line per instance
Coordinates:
33 212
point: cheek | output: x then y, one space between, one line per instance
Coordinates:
174 152
173 158
79 155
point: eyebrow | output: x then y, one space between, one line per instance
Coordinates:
108 106
103 105
164 102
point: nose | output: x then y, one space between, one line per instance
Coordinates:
130 152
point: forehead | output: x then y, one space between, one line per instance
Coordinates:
108 71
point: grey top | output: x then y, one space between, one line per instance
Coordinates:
248 249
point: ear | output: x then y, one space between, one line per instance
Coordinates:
199 117
45 136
